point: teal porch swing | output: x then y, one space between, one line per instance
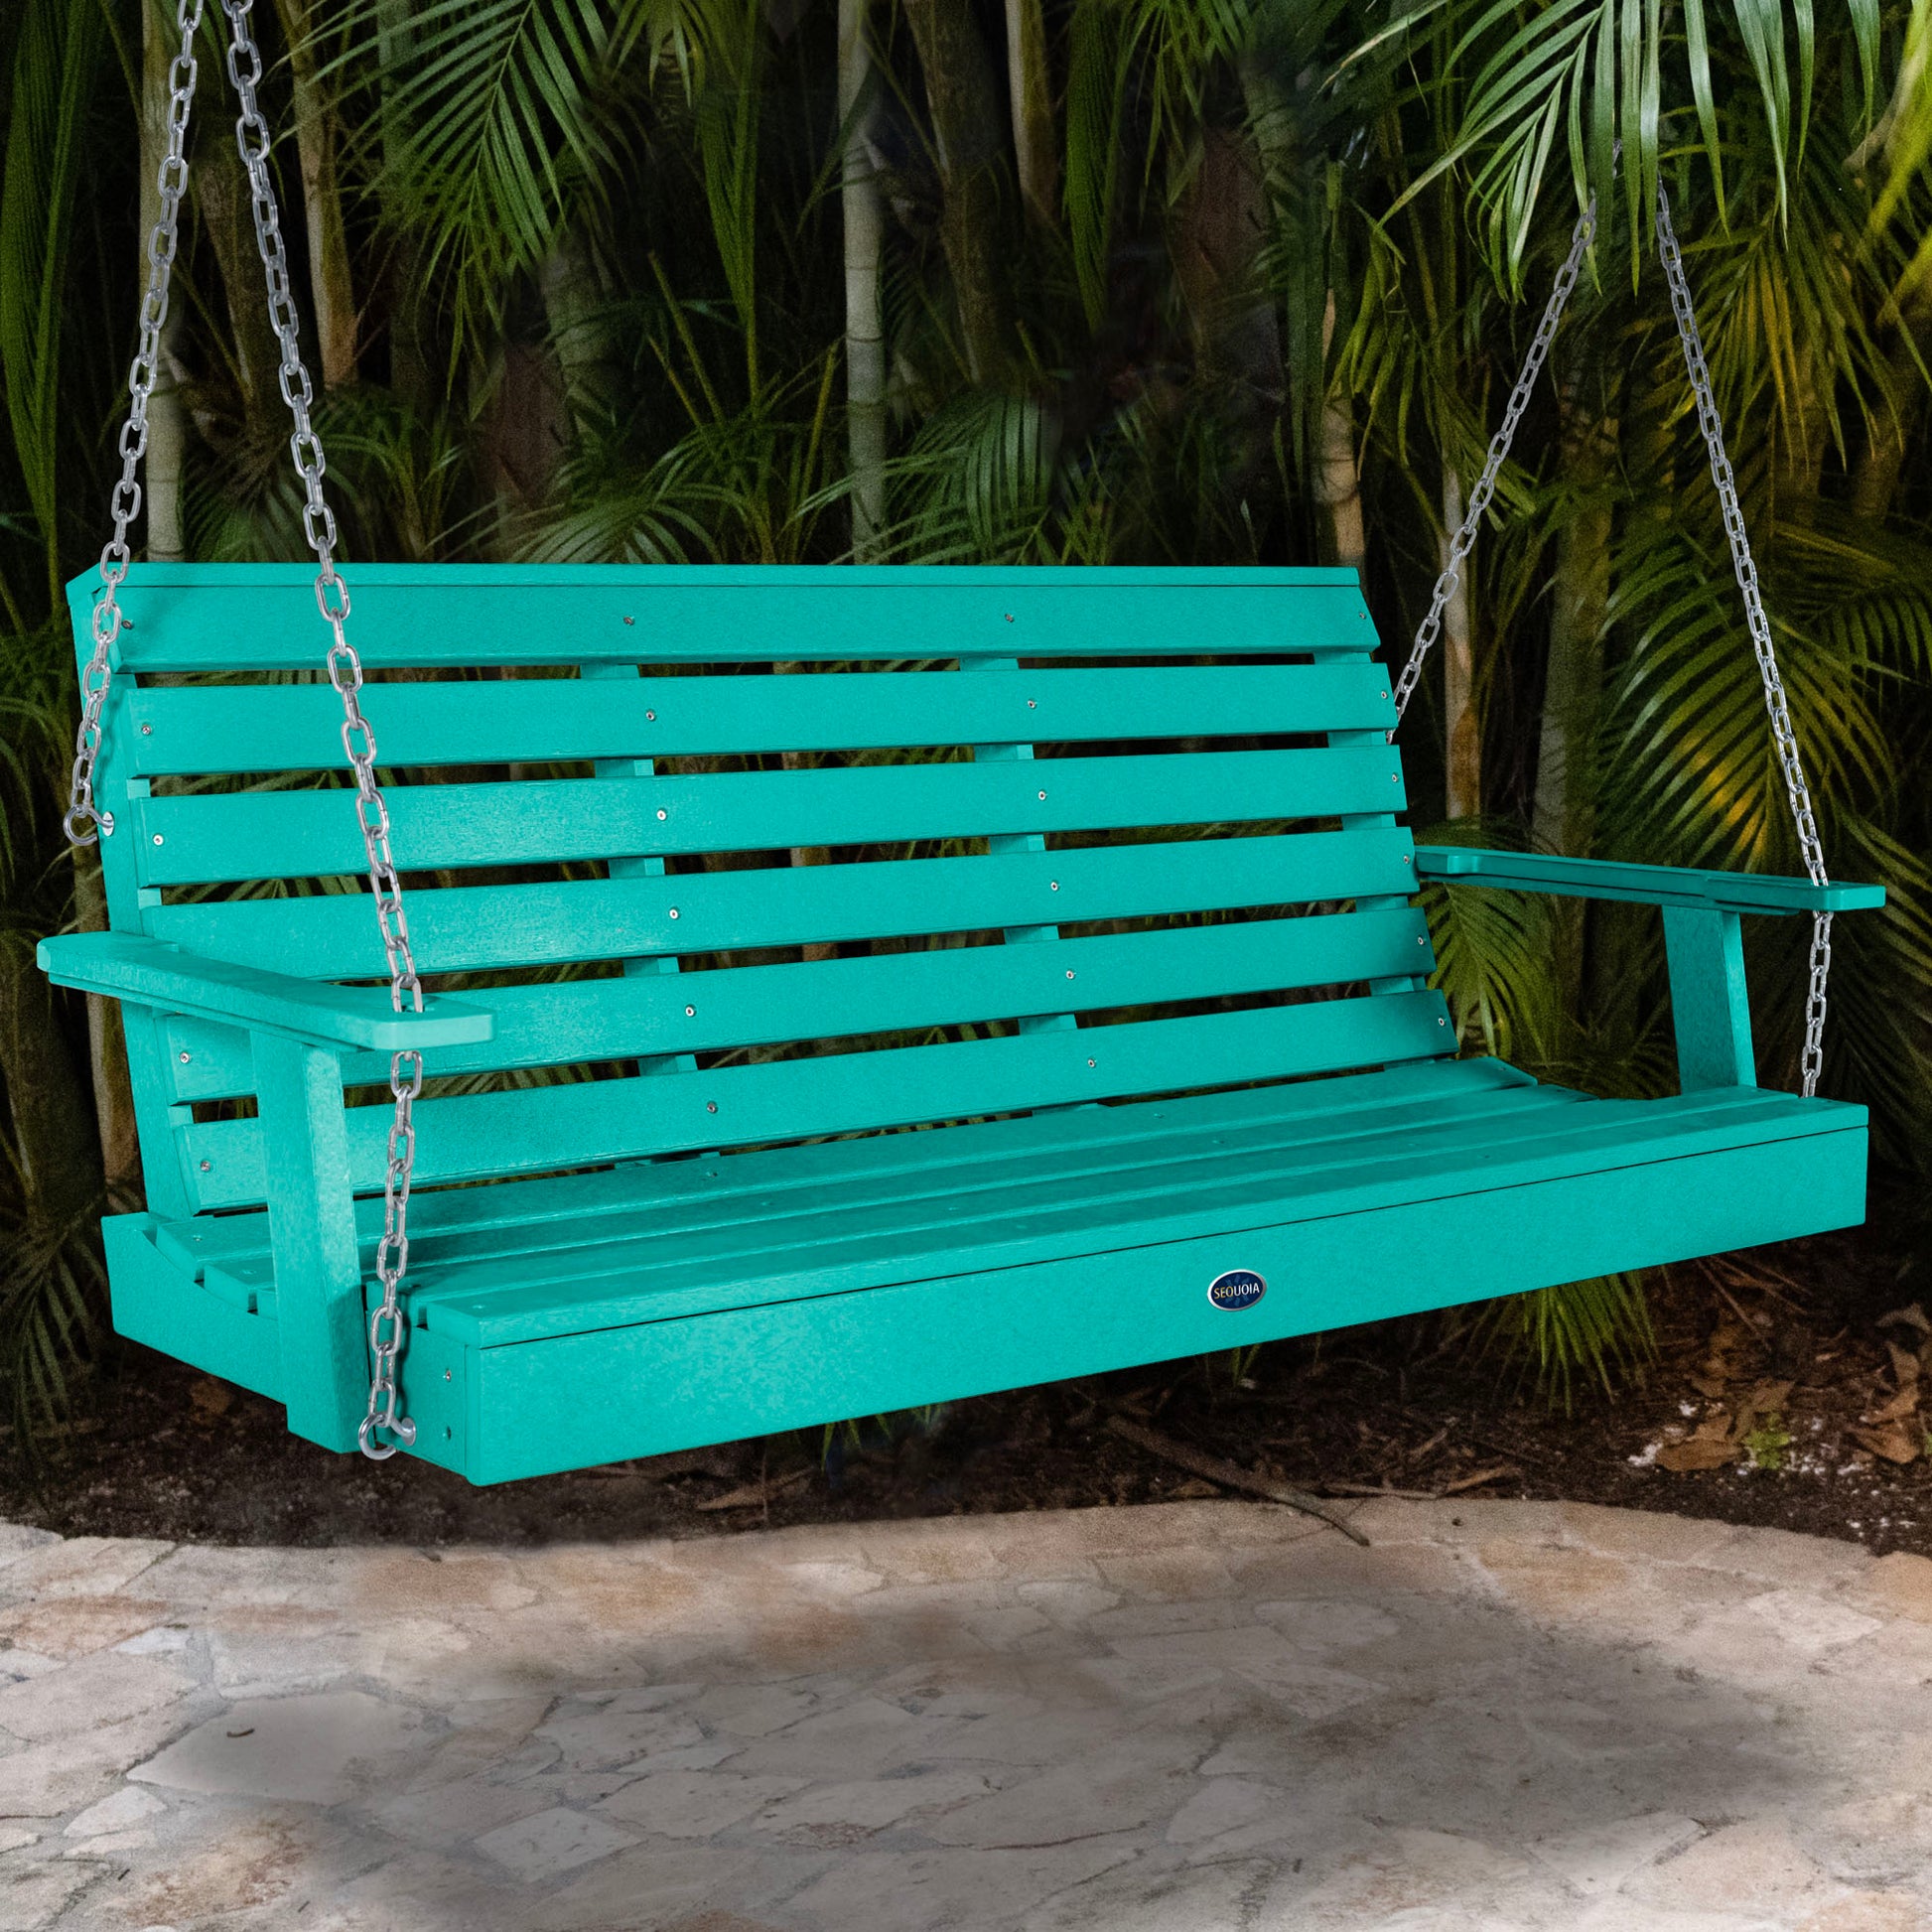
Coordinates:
1206 1096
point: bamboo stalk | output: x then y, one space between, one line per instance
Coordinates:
863 212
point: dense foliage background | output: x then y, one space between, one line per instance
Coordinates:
1150 280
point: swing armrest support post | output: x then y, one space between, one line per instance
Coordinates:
152 973
301 1029
1702 937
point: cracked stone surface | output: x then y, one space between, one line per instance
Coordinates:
1194 1718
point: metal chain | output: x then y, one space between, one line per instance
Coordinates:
387 1327
1463 541
171 179
1797 790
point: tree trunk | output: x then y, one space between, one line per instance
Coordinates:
1030 94
223 192
1338 484
1574 682
119 1152
1462 726
963 96
166 422
54 1138
409 354
1875 483
862 211
1219 230
322 202
574 304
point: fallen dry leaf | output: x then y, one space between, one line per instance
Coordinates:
754 1495
1909 1316
1709 1387
1904 1364
1480 1477
1699 1453
1896 1441
209 1398
1766 1399
1903 1404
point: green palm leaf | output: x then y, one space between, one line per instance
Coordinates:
55 62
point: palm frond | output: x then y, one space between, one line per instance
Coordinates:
55 62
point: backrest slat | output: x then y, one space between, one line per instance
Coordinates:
540 1129
590 1020
262 617
474 929
746 857
203 728
293 834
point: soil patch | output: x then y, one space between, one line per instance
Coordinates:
1792 1387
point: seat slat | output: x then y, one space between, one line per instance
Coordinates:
522 1268
740 1227
552 1024
533 1130
307 834
202 729
653 1273
200 618
756 1184
464 928
489 1300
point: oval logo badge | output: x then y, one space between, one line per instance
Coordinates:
1239 1288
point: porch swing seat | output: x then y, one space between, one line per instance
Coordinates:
1147 1065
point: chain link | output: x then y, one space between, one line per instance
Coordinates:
388 1326
171 179
1463 541
1783 736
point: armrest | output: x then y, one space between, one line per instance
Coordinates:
1680 886
152 973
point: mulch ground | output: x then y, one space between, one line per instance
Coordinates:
1785 1390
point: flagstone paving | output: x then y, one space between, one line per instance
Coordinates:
1192 1717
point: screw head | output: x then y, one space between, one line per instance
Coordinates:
710 1106
1052 885
631 620
1089 1062
207 1167
147 731
650 717
690 1013
1069 974
662 813
1009 616
186 1057
1032 703
157 839
1042 794
674 911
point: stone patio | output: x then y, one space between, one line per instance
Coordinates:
1178 1718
